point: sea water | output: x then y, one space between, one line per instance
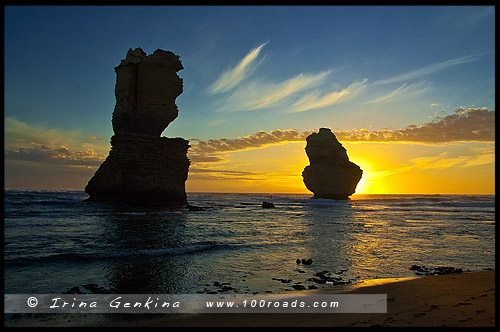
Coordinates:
54 240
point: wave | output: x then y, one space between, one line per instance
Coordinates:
42 199
434 200
467 204
190 248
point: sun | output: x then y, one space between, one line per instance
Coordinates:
366 185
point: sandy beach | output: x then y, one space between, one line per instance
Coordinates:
453 300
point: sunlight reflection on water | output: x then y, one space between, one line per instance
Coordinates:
233 240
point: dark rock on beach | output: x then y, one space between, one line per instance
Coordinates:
430 271
325 277
142 167
330 173
298 287
221 288
88 289
304 261
74 290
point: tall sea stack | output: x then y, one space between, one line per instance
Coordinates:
142 167
330 173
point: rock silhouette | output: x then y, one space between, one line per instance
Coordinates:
330 173
142 167
146 89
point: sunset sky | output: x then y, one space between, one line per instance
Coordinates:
408 90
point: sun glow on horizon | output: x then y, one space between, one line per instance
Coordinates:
366 184
388 168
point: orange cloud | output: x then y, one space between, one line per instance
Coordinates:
464 125
209 151
59 155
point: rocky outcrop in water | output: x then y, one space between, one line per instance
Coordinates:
330 173
143 167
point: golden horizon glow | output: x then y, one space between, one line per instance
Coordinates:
388 168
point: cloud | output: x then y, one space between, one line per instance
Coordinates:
52 146
259 94
210 150
24 142
412 89
213 174
231 77
442 161
457 18
197 156
483 157
464 125
314 101
304 93
61 155
431 69
18 132
445 160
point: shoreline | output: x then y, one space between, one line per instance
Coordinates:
451 300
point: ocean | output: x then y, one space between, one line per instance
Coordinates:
228 243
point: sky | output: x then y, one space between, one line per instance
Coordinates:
409 91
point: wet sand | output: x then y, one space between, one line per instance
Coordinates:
453 300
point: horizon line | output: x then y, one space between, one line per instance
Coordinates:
272 193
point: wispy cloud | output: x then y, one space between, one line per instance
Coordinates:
441 161
306 91
482 156
315 101
431 69
215 174
260 94
405 89
457 18
446 160
232 76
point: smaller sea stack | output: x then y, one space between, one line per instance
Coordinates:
330 173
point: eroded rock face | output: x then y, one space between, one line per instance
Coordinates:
146 89
142 167
330 173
